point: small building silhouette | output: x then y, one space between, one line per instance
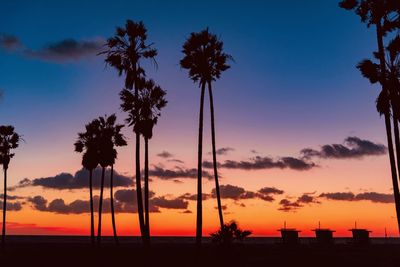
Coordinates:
360 236
324 236
289 235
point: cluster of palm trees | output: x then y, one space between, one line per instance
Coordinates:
384 69
142 99
9 140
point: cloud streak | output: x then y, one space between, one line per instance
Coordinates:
352 147
62 51
368 196
64 181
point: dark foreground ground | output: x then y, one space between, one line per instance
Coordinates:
51 253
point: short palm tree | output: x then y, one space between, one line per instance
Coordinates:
9 140
205 61
87 144
382 15
110 136
151 101
125 51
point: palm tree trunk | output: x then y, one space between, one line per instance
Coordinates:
112 205
91 207
3 233
100 206
388 126
396 137
199 219
214 154
146 188
138 181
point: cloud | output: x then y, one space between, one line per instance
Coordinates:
259 163
124 202
187 212
287 205
9 42
353 147
11 197
172 203
223 151
188 196
338 196
176 173
237 193
369 196
78 181
229 191
12 206
67 50
375 197
165 155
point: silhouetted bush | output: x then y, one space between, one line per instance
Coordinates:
229 233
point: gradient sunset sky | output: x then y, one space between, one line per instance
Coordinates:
293 85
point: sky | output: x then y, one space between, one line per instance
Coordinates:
292 85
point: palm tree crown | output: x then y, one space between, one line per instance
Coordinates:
204 57
150 101
9 140
126 49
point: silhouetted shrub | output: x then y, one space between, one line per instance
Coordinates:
229 233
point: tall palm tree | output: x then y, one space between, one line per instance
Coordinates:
109 137
125 51
379 13
151 101
88 143
9 140
205 60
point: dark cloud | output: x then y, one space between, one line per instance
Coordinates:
124 202
165 155
338 196
307 199
67 50
349 196
11 197
187 211
176 173
229 191
353 147
270 190
78 181
375 197
223 151
287 205
172 203
9 42
259 163
188 196
236 193
12 206
39 202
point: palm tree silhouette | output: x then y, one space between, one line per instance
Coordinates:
124 52
88 143
205 60
9 140
150 102
379 13
109 137
387 104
